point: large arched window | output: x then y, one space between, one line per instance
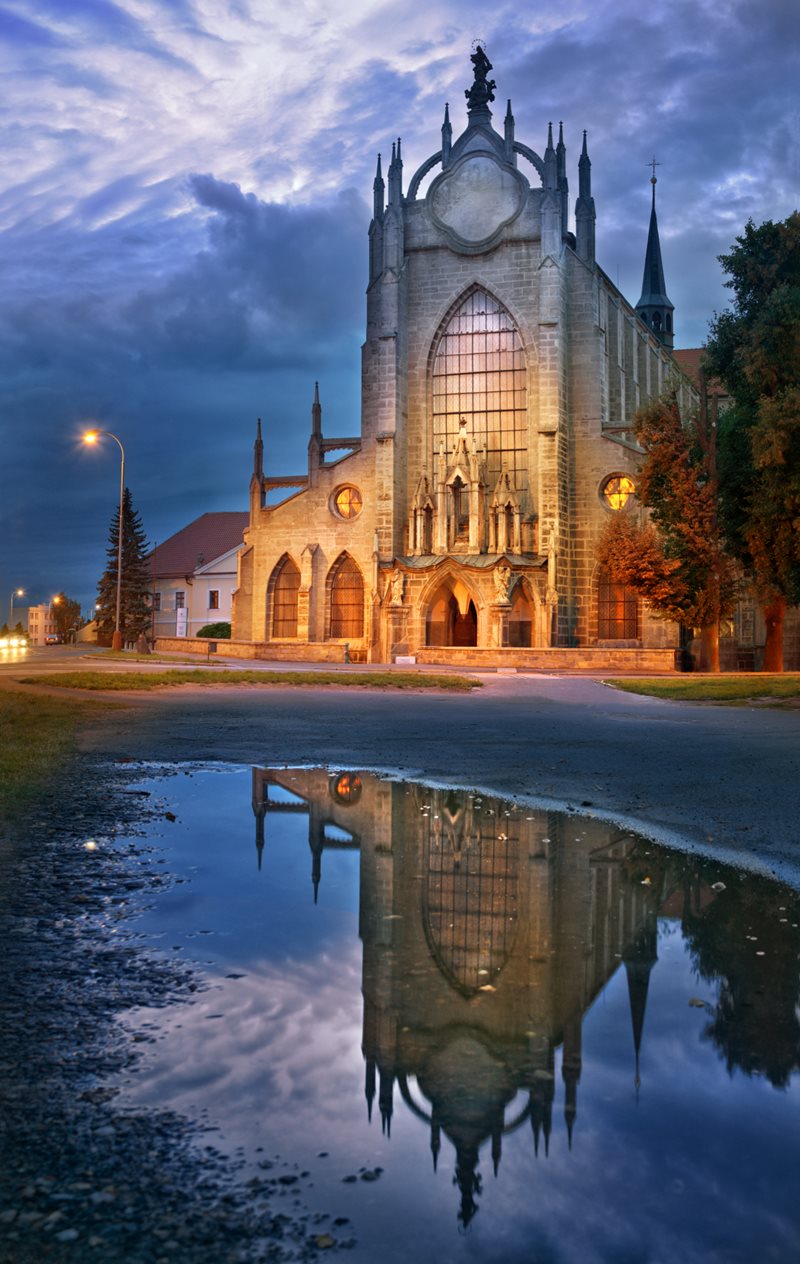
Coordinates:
479 374
285 587
347 600
617 611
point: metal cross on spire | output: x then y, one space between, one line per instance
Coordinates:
652 163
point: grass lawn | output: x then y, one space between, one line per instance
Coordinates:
36 735
108 681
728 688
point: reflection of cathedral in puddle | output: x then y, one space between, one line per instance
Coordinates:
488 930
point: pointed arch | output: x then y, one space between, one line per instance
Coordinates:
522 616
450 612
282 598
345 600
478 372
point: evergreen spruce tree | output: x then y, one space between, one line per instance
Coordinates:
135 613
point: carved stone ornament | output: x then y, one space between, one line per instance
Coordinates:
475 199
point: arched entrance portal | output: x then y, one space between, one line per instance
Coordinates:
465 626
452 618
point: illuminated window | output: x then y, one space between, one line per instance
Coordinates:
347 600
617 611
213 599
347 788
285 589
617 491
479 374
348 502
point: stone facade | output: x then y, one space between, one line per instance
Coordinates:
500 377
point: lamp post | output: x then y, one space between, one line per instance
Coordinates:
92 436
15 592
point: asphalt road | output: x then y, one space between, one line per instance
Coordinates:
721 778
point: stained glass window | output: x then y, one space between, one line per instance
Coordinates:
284 599
348 502
347 600
617 490
479 374
617 611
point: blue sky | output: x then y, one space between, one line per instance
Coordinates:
184 201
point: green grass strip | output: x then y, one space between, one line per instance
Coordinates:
37 734
128 681
727 688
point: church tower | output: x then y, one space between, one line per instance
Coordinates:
654 307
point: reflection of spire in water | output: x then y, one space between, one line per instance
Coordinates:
385 1102
639 958
369 1087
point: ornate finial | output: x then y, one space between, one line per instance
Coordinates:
652 163
482 90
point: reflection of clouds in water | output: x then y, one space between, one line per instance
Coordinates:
286 1035
283 1067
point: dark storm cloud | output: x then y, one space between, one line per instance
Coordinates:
181 369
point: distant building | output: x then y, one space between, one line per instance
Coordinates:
193 574
41 623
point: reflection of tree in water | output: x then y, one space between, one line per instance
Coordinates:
755 1024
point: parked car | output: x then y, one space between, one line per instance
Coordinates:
52 638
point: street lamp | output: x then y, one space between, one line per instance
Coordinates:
15 592
90 437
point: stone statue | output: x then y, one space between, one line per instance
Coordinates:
552 594
482 90
502 583
397 584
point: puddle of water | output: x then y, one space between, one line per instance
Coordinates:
479 1031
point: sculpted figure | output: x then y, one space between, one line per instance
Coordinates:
482 90
397 583
502 582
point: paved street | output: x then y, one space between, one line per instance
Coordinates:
725 777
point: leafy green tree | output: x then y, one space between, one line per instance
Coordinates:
676 560
135 614
754 349
66 614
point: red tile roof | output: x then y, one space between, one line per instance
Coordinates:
689 360
209 536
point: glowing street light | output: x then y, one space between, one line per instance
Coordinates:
15 592
92 437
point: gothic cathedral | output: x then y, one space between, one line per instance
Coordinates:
501 373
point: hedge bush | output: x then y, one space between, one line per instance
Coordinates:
217 631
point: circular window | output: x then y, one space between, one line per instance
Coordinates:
617 491
347 788
347 502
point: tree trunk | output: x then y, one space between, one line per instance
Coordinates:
709 647
774 613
